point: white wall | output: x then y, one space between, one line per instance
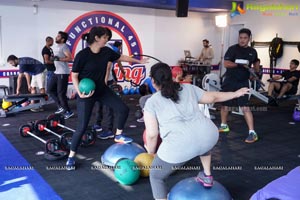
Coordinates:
161 33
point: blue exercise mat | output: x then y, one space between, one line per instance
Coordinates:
18 179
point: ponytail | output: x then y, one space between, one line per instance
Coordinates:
95 31
162 76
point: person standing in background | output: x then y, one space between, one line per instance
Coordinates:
58 85
47 54
236 77
207 53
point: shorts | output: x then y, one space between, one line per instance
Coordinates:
232 86
292 91
38 80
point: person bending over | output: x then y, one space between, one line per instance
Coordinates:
173 113
91 62
31 69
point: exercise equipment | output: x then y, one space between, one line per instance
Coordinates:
116 88
190 189
275 49
118 151
176 71
53 149
144 161
18 100
211 82
126 172
57 120
132 90
86 85
138 114
296 114
159 141
6 104
40 126
125 90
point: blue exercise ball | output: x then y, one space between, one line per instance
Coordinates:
118 150
189 189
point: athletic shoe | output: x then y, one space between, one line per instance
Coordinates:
141 120
36 109
123 139
105 135
97 128
59 110
252 137
68 114
224 129
206 181
70 165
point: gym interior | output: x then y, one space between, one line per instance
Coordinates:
166 31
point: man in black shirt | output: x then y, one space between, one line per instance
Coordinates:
236 77
289 84
48 55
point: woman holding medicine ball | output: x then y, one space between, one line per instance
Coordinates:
91 62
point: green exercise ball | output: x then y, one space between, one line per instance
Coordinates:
126 171
86 85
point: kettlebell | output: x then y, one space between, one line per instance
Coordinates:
125 90
137 90
132 90
296 114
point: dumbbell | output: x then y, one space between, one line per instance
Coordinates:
40 126
138 114
88 138
53 149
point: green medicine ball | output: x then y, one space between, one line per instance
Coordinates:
86 85
126 171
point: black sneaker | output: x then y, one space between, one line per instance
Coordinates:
68 114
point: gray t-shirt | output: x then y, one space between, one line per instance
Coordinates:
61 67
185 131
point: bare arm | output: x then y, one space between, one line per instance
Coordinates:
229 64
47 59
212 97
151 125
28 77
130 59
121 68
293 78
19 83
108 71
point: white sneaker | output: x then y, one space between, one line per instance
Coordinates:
141 120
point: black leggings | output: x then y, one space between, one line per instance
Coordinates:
57 89
85 108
